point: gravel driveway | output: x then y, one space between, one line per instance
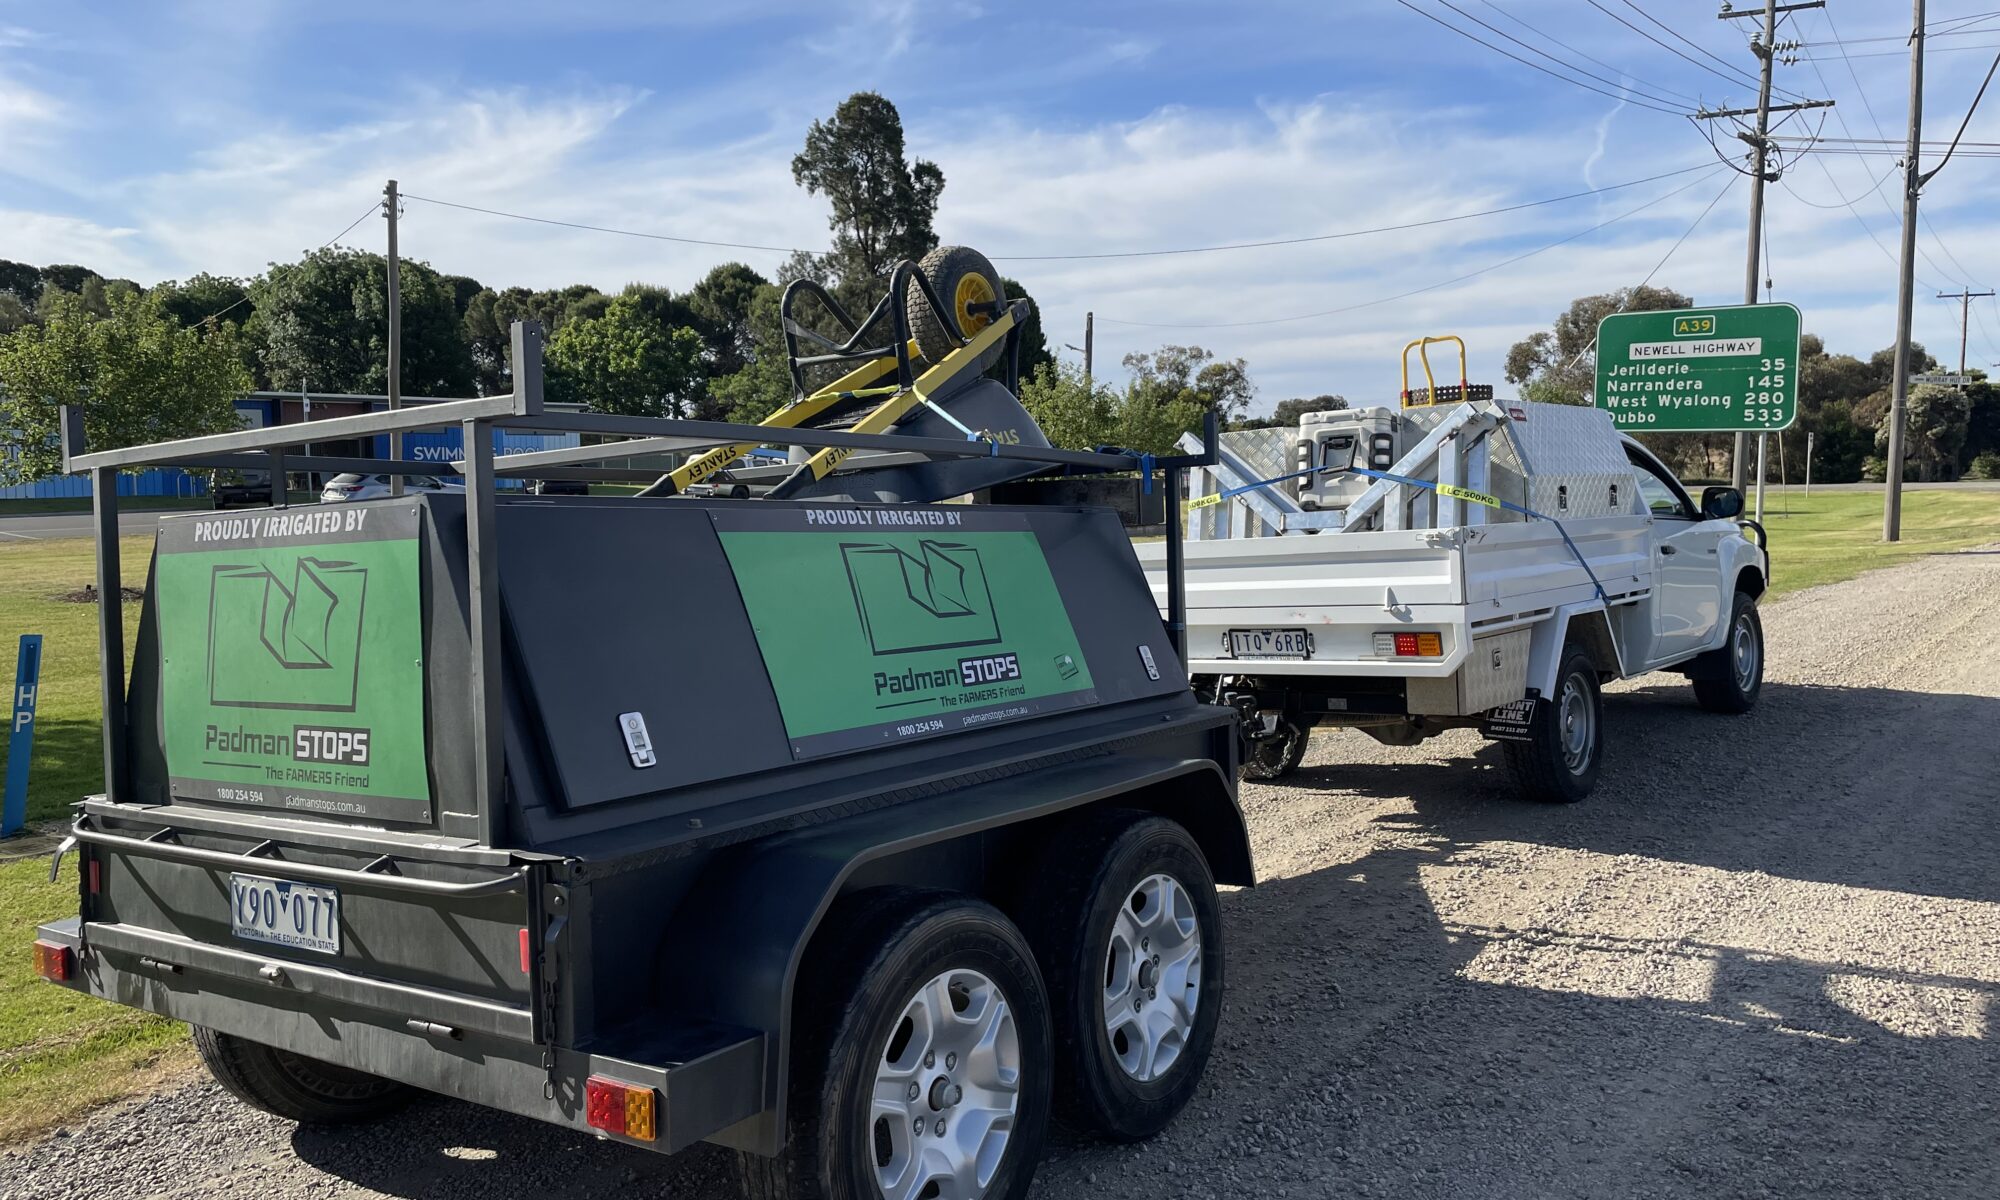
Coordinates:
1761 961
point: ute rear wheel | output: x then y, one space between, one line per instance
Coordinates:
295 1087
965 283
922 1061
1125 921
1277 754
1559 762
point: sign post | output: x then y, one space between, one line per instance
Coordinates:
21 734
1733 369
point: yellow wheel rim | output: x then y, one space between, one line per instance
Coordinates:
972 289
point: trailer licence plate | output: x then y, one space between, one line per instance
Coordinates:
283 913
1269 643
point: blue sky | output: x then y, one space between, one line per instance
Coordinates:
159 140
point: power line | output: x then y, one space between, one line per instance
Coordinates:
1291 241
1658 266
657 237
1657 87
1536 66
1617 83
1736 80
1350 233
1678 36
1900 53
1713 171
1843 202
374 206
1973 108
1868 107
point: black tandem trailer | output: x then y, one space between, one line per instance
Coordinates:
857 836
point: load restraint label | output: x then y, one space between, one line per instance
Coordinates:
882 624
291 660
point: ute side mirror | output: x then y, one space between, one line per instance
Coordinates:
1721 503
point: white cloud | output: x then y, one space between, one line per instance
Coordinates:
1017 184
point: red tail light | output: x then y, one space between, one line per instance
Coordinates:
618 1107
54 962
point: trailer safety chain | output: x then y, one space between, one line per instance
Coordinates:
1443 489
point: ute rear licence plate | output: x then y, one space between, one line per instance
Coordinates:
1269 643
283 913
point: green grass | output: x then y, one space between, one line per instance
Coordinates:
68 761
62 1052
1838 535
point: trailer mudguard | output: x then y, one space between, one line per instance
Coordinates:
733 956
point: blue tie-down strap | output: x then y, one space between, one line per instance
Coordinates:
1472 497
1445 489
1146 474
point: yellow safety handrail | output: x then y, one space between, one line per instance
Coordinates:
849 386
1422 347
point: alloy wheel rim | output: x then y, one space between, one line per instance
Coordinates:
947 1088
1575 728
1152 977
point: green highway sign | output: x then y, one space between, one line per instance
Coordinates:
1699 370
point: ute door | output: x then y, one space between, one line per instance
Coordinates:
1686 595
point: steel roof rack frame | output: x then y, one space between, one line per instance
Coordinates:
266 448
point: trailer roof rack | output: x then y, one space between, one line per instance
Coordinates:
266 449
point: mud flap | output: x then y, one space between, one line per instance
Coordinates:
1513 721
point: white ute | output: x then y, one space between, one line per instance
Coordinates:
1404 609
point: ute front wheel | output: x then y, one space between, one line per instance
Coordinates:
1736 672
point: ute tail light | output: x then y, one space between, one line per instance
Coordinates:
1410 645
621 1108
54 962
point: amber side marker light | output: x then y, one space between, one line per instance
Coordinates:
621 1108
54 962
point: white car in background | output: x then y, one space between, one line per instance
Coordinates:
351 486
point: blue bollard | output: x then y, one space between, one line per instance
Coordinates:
21 734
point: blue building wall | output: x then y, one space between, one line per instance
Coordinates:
154 481
444 446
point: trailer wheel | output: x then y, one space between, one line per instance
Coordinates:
1739 665
962 277
295 1087
1124 918
921 1064
1560 761
1278 755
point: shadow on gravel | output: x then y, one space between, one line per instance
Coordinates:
1377 1046
442 1148
1863 787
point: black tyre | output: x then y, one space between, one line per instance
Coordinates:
1560 761
962 279
1734 674
1278 755
929 1004
295 1087
1125 923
